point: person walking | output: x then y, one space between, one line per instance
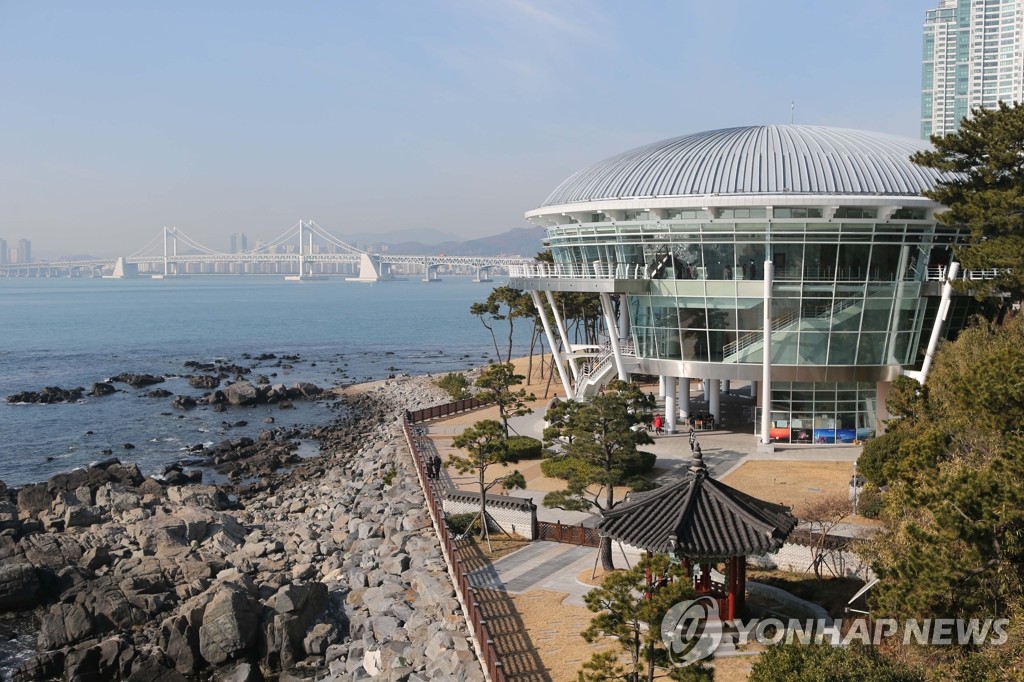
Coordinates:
657 423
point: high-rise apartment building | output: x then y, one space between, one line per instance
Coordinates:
24 251
972 57
3 252
239 243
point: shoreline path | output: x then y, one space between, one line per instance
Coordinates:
536 593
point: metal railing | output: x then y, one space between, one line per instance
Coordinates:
783 322
460 577
572 535
445 410
938 273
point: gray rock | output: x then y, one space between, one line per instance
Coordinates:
64 624
229 625
19 587
241 393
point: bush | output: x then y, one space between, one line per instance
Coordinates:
640 465
389 475
869 504
454 384
523 447
641 484
459 524
811 663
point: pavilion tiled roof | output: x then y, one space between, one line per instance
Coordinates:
699 518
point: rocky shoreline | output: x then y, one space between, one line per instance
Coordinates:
324 568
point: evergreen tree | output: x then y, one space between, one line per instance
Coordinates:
497 386
485 446
603 453
953 545
986 194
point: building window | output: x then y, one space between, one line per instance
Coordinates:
856 212
743 213
787 212
909 214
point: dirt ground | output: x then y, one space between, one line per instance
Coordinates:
796 484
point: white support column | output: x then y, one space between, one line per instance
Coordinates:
715 399
940 317
726 386
559 361
661 385
684 398
753 391
165 251
613 335
562 333
623 317
766 364
302 268
670 404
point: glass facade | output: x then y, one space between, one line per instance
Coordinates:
847 293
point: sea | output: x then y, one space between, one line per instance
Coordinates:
71 332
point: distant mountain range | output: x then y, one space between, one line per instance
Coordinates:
520 241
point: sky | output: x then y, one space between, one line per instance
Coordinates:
456 116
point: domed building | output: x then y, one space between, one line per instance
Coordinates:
699 243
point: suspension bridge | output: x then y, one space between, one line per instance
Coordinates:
304 251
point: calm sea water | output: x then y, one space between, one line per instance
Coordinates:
73 332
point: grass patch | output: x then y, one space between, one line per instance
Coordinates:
833 594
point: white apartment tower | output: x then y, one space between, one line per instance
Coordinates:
972 57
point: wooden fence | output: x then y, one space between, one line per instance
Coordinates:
573 535
434 494
416 416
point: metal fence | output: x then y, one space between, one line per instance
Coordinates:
434 494
417 416
572 535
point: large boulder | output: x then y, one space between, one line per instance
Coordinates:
241 393
101 388
207 381
64 624
230 625
50 394
19 587
136 380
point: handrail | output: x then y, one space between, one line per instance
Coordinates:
937 273
784 321
482 637
443 410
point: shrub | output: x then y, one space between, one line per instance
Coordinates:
454 384
389 475
641 464
869 503
641 484
523 447
811 663
459 524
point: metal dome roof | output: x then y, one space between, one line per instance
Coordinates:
770 159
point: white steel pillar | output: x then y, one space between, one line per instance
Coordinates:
559 361
661 385
623 317
165 250
562 333
766 364
940 317
684 398
302 265
613 335
715 399
670 404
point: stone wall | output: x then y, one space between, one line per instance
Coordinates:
516 515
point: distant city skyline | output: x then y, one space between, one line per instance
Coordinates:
446 115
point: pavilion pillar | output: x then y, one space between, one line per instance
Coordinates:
661 385
741 586
726 386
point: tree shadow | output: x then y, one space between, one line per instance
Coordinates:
519 657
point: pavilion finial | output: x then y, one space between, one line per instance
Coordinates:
697 466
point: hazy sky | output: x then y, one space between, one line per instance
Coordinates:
453 115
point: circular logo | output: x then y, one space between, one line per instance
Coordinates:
686 633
